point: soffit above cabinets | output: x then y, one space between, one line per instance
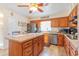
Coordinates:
52 10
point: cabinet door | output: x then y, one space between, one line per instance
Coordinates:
55 23
28 51
63 22
74 11
27 48
72 50
66 46
41 43
60 40
36 48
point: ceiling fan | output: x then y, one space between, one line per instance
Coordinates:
33 6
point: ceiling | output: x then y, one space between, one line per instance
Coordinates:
53 9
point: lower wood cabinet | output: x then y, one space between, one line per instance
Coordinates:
73 50
28 51
41 44
60 39
66 45
36 49
69 47
32 47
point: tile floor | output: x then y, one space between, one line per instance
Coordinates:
53 51
48 51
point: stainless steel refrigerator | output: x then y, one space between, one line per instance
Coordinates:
32 28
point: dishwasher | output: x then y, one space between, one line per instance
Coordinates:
52 39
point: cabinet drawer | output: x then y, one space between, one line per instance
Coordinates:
72 53
27 51
72 50
27 54
36 49
27 44
35 40
67 50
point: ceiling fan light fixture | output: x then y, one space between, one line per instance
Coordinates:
33 8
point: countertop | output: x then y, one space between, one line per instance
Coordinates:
23 37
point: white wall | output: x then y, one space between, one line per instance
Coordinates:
10 24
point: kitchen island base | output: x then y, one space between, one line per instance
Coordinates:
31 47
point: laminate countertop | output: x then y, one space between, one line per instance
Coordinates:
24 37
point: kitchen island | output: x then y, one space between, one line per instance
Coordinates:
26 45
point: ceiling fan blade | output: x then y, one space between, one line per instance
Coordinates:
23 6
40 4
40 10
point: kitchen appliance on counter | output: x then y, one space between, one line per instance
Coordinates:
72 30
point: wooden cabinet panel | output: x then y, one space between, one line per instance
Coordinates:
60 39
73 51
36 47
28 51
15 48
69 48
27 48
66 46
27 44
60 22
73 13
63 22
55 23
46 39
41 43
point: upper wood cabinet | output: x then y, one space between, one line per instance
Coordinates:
73 13
60 22
55 22
63 22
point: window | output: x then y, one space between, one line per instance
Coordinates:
45 26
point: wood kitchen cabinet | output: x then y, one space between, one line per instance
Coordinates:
38 44
73 13
63 22
35 45
55 23
60 39
59 22
73 51
32 47
27 48
69 47
66 46
19 49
